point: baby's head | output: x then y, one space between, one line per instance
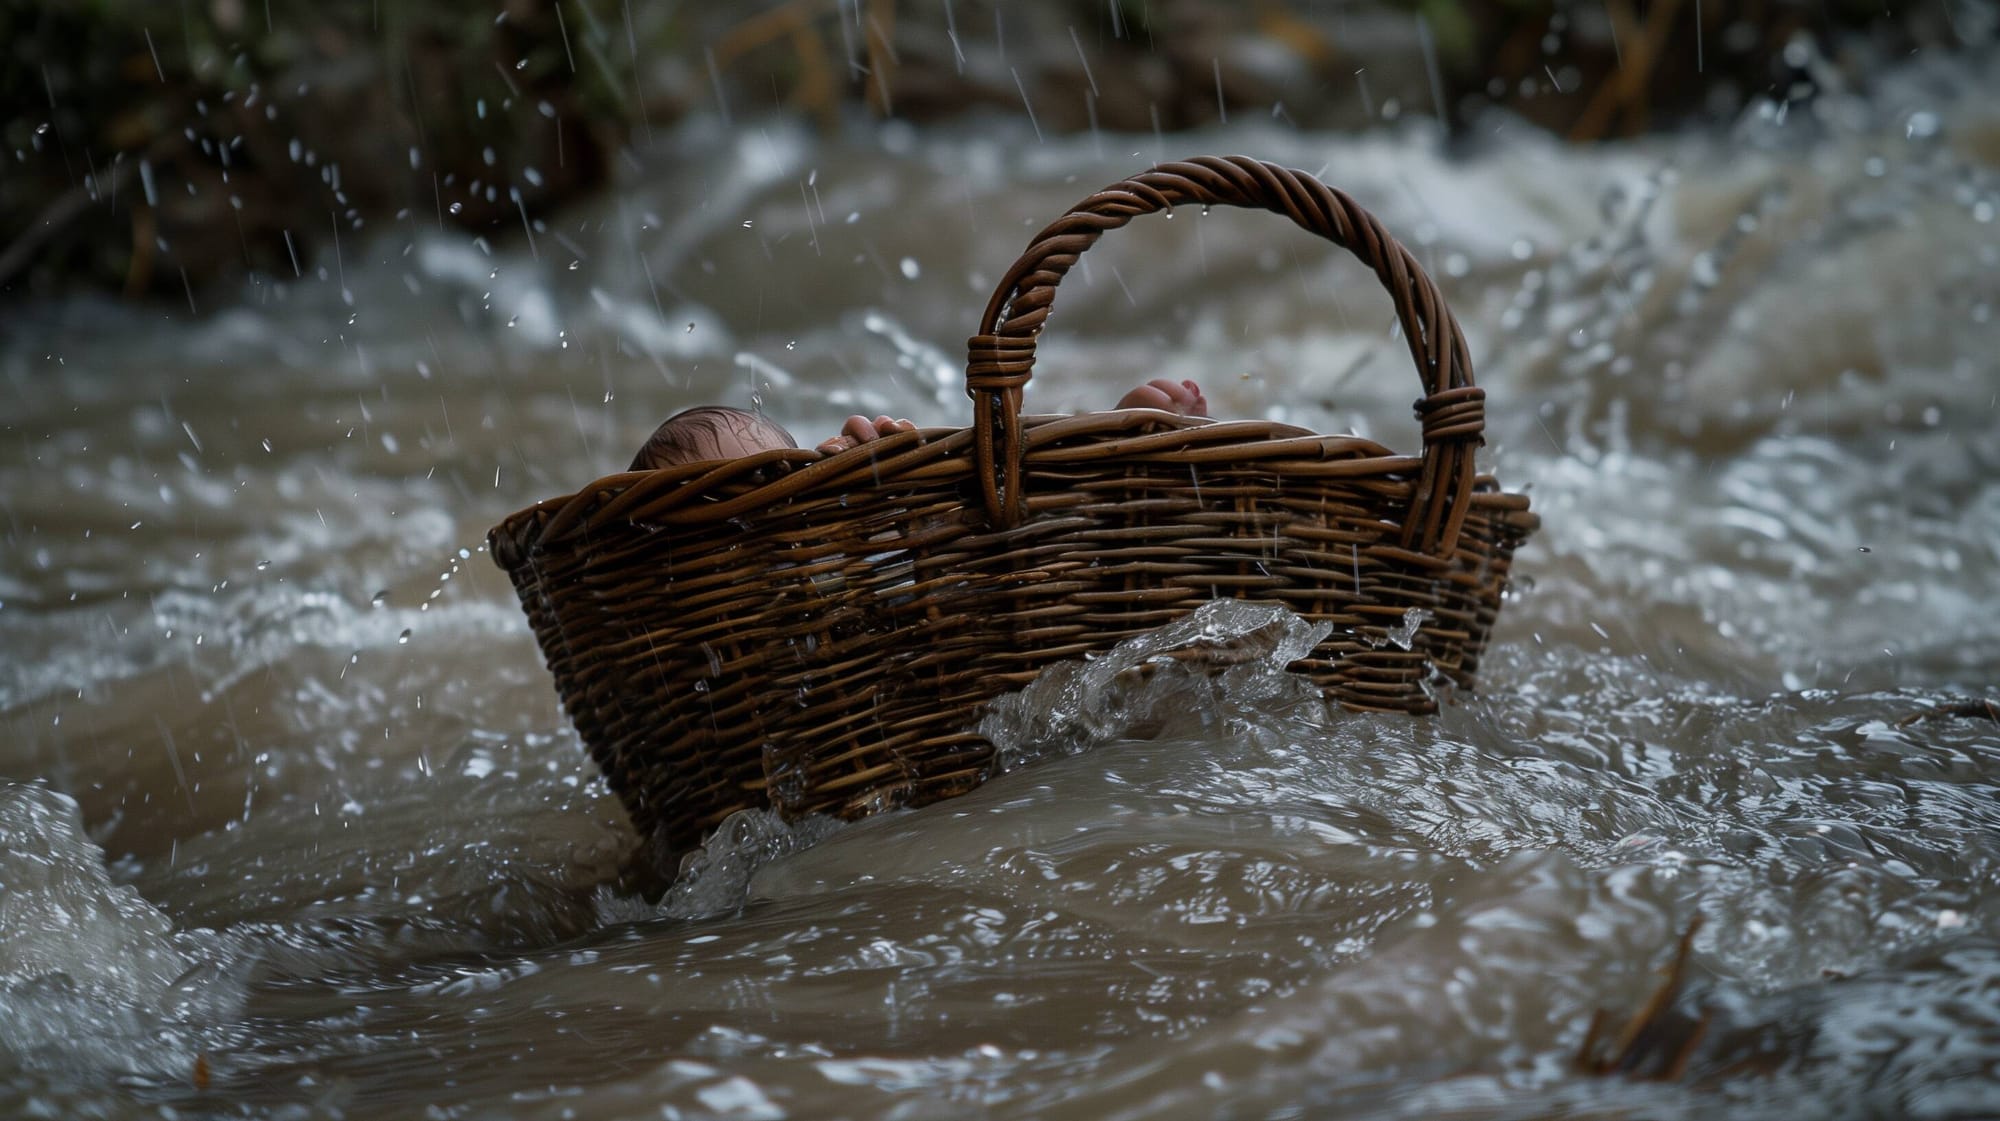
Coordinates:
710 432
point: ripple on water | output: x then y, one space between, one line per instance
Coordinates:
1746 382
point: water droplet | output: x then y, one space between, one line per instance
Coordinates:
793 345
1405 634
746 223
456 207
380 598
262 565
690 329
404 638
1866 549
910 269
1703 270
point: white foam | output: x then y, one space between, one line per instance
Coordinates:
91 975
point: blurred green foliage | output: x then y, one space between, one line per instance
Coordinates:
155 147
150 139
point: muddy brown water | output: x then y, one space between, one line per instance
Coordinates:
297 828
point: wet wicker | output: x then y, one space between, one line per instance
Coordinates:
819 633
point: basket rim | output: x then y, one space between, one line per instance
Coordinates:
1000 357
926 454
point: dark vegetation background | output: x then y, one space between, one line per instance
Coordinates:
158 148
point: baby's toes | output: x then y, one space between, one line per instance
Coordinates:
1191 400
1148 396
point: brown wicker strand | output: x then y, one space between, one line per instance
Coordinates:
815 633
1021 303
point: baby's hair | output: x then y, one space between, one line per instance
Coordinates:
693 435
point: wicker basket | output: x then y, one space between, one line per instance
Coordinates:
819 633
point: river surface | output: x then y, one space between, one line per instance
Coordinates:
297 828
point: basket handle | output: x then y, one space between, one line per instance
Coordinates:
1001 357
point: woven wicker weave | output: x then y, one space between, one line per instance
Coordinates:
818 633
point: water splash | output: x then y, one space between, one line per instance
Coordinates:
92 976
1209 668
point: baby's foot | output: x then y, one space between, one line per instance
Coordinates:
860 430
1183 397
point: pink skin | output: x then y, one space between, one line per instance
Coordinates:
1182 398
860 430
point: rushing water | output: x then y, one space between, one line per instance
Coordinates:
302 832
